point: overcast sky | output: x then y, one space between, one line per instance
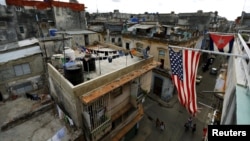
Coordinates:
230 9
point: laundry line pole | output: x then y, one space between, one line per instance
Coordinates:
209 51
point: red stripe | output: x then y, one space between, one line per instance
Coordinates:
179 86
190 65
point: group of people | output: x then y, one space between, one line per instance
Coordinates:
160 124
190 124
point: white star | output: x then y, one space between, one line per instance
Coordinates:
220 41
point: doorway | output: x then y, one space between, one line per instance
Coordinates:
157 86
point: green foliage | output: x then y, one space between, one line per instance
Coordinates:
245 37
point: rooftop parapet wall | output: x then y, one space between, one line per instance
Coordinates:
59 79
88 86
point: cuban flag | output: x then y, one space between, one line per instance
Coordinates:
221 43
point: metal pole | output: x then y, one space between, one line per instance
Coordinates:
213 92
99 59
88 69
64 59
208 51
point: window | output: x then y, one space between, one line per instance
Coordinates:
18 9
21 29
116 122
161 53
22 69
127 46
139 49
116 92
23 88
3 25
113 40
43 25
161 57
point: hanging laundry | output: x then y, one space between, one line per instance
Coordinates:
110 59
60 112
106 53
83 49
71 123
121 53
61 133
133 51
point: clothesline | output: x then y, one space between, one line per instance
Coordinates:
209 51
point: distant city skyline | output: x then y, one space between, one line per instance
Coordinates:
230 9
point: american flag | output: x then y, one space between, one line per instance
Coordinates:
184 66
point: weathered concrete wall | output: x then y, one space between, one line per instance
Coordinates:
117 103
79 39
30 20
66 19
7 28
7 74
62 92
146 81
167 86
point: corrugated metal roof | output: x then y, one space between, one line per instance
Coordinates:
77 32
19 44
17 54
140 26
28 42
168 25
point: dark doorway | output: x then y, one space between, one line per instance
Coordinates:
86 37
162 63
157 86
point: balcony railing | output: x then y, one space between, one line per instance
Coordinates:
101 130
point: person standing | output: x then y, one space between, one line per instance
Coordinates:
190 121
162 126
1 96
157 123
194 128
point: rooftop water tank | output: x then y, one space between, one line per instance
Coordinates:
52 32
74 74
69 53
56 60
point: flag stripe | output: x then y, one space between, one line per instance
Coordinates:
184 65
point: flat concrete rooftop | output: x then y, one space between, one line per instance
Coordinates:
101 64
42 127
